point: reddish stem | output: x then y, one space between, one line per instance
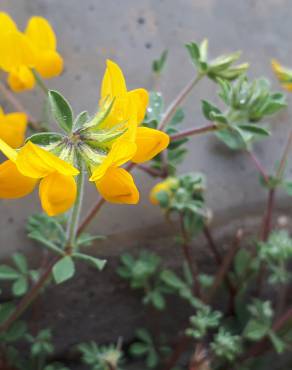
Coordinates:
193 131
258 165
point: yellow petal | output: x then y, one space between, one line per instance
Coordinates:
287 86
15 51
57 193
141 98
121 152
12 128
36 162
8 151
113 84
12 183
41 34
20 79
149 142
118 186
7 24
49 64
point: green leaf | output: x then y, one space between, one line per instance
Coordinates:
138 349
61 110
96 262
278 343
8 273
157 300
170 278
20 262
256 330
20 286
209 109
80 120
64 269
255 129
45 138
159 64
194 52
6 310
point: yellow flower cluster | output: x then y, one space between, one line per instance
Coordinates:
22 52
57 189
12 128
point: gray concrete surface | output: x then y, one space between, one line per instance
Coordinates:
133 33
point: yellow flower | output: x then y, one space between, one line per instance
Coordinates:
283 74
138 144
165 186
22 52
115 184
129 107
25 168
12 128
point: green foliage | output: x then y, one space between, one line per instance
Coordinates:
17 330
220 67
185 197
276 254
226 345
142 273
260 324
51 139
20 275
61 110
247 103
49 231
148 348
159 64
204 320
41 344
100 357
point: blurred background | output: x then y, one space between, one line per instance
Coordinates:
133 33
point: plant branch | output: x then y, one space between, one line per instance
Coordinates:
11 98
225 266
258 165
193 132
178 100
151 171
281 168
267 221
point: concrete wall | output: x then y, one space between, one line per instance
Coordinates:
133 33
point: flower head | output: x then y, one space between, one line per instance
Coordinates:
283 74
20 53
12 128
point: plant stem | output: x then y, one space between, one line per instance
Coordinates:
259 166
212 245
9 96
187 255
267 221
178 100
40 82
91 214
225 266
72 225
150 171
193 132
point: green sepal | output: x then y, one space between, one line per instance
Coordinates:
61 110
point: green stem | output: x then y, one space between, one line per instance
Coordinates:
72 225
40 82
